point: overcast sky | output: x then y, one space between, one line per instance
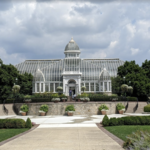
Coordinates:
41 30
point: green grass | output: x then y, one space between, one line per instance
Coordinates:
122 131
8 133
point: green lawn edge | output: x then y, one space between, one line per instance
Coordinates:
123 131
8 133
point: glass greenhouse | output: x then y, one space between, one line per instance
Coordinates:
72 72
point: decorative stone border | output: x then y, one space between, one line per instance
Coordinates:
115 138
16 136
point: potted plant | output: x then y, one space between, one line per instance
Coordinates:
86 99
103 108
43 110
55 98
78 98
24 109
120 108
70 110
27 98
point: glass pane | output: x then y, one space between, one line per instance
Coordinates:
51 87
92 86
46 87
105 86
97 86
38 87
41 87
87 86
101 86
56 85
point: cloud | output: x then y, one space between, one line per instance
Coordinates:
134 51
40 30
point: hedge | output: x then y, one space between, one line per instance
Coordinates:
132 98
129 120
12 123
147 108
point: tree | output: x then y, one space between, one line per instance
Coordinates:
8 74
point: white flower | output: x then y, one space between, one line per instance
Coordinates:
41 111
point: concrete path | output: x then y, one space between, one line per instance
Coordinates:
64 133
83 138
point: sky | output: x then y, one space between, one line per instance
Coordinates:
40 29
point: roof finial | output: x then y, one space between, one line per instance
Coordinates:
72 40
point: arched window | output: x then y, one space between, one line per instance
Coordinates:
71 81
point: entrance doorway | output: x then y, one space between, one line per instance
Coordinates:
73 90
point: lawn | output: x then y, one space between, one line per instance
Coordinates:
8 133
122 131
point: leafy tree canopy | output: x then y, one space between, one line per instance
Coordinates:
8 74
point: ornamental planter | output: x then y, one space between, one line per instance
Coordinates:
121 111
85 101
56 101
23 113
78 100
27 100
42 113
70 113
104 112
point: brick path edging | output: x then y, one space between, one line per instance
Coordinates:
16 136
115 138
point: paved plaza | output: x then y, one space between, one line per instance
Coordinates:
64 133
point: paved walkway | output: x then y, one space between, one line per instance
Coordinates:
64 133
90 138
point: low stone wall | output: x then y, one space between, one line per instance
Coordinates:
82 108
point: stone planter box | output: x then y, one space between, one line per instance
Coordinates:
104 112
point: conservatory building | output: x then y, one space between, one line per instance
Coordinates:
72 72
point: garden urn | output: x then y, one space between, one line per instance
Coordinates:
70 113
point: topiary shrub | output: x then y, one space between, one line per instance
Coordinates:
147 108
105 121
140 140
113 122
28 123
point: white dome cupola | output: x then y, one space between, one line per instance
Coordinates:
72 50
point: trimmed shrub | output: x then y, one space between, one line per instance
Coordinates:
28 123
132 98
70 108
140 140
113 122
103 106
105 121
12 123
120 121
44 108
24 108
147 108
120 106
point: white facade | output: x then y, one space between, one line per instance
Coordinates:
72 72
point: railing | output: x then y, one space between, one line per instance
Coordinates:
136 107
14 105
4 108
126 107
